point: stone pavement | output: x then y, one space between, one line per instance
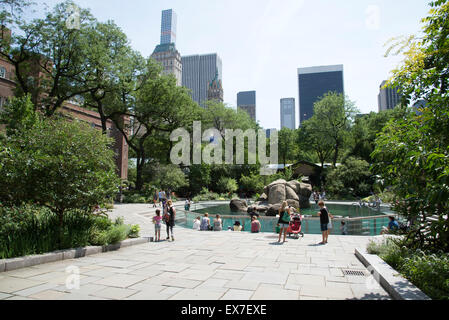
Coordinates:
203 266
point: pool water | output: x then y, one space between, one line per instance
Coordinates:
359 223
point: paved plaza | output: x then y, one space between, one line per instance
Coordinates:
203 266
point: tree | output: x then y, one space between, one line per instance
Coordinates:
312 137
58 164
333 116
412 154
170 177
287 145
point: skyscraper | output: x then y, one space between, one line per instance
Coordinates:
288 114
198 73
314 83
246 101
388 98
166 53
168 27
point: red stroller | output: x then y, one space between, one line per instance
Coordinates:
294 229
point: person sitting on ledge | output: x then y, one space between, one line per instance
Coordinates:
255 225
393 226
237 226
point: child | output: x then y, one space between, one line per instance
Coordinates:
344 228
324 221
218 223
197 224
237 226
157 220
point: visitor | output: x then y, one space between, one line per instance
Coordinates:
316 197
284 219
323 195
160 198
329 225
237 226
157 220
344 228
205 223
197 224
170 219
187 205
218 223
393 226
324 221
155 199
255 225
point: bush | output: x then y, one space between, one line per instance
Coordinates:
28 230
428 271
134 231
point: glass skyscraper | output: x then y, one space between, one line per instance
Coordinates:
246 101
288 114
168 27
314 83
198 71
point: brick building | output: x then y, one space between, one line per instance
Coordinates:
72 110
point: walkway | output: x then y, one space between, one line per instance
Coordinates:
204 266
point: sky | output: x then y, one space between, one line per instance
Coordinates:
262 43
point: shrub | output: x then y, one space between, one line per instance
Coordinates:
134 231
427 271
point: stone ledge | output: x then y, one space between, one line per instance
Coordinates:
397 286
29 261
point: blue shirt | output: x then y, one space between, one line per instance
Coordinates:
393 225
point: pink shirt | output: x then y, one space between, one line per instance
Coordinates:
157 220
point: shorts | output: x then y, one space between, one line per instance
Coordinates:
157 227
284 225
324 227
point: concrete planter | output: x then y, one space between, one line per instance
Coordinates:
29 261
397 286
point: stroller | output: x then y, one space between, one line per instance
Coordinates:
295 227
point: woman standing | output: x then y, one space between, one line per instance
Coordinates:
170 219
284 219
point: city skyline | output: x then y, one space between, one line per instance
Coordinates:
263 43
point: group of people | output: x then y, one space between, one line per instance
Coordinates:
161 197
168 216
204 224
317 196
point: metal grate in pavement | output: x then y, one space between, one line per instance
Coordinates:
354 273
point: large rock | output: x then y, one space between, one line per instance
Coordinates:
273 210
274 183
238 205
277 194
290 193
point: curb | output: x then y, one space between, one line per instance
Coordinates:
397 286
33 260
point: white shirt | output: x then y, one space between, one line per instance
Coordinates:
196 224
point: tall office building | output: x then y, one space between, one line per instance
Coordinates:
388 98
198 72
168 27
166 53
314 83
246 101
288 114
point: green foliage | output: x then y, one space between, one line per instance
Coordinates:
352 178
134 231
18 114
428 271
29 229
227 185
169 177
412 154
251 184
